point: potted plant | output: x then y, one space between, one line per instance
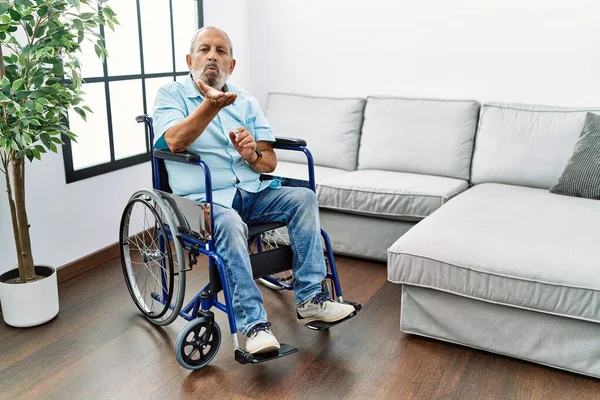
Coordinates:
40 81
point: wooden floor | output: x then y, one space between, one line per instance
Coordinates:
100 348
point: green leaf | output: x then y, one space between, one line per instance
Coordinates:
44 101
3 8
17 84
80 112
41 31
45 140
87 15
22 95
38 107
42 11
30 104
78 24
75 3
21 153
14 14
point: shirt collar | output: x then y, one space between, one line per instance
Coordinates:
191 90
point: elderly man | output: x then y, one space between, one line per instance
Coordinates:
224 124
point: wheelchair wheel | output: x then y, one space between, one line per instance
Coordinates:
198 343
271 240
151 259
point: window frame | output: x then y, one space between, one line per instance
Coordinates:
72 175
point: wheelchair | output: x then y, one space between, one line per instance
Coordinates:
161 237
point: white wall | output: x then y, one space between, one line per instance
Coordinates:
537 51
232 16
71 221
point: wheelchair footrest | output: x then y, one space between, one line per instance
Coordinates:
322 325
243 357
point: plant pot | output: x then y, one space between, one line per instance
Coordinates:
29 304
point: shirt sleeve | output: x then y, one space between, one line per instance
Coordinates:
168 111
260 125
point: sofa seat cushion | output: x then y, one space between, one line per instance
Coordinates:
300 171
511 245
394 195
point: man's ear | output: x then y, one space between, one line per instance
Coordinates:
232 65
188 59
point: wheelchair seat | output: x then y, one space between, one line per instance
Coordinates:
253 230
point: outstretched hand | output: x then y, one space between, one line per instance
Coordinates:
215 97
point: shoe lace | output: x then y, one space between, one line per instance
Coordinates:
320 298
261 326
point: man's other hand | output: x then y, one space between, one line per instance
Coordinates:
244 143
215 97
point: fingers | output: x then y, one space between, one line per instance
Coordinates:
247 142
242 139
222 99
214 96
232 137
204 88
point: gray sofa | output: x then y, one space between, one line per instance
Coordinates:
382 164
454 195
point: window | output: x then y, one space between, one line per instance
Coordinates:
145 51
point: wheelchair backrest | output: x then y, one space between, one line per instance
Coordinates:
160 177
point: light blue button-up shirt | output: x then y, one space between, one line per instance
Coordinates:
174 102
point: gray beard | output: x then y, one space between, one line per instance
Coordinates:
215 81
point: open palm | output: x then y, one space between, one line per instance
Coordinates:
215 97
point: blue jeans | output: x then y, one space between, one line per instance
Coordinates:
295 206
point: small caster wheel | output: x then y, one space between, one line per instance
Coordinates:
198 343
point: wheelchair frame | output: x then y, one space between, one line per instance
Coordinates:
202 243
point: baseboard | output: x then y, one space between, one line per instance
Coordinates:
87 263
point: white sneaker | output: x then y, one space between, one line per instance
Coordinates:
261 339
321 308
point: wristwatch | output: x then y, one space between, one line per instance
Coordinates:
259 156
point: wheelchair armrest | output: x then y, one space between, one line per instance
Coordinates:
185 156
288 142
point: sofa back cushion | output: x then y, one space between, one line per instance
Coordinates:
330 126
527 145
426 136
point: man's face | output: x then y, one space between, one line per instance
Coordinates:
211 60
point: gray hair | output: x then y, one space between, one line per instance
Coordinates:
199 31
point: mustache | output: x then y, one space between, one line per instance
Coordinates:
212 65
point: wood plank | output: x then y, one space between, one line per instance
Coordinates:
100 347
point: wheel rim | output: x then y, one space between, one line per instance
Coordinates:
147 263
166 213
198 343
